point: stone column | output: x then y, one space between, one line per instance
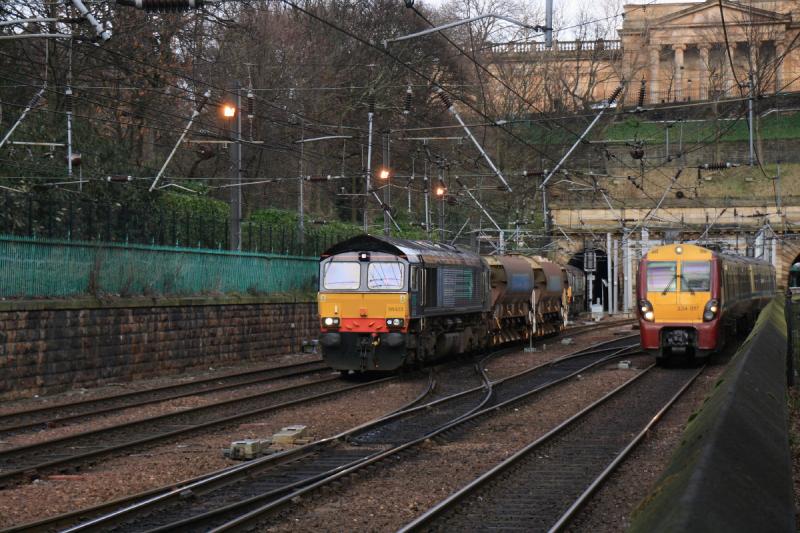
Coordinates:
703 72
655 72
780 50
678 48
726 76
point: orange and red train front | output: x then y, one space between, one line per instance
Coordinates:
363 306
679 300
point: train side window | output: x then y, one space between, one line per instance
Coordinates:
413 283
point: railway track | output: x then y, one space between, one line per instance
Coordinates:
542 486
78 411
73 450
57 415
246 493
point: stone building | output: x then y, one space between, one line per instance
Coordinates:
679 49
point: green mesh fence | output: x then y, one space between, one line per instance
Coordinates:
36 268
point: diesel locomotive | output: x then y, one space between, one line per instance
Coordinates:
692 299
385 303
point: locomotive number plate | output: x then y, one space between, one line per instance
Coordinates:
395 309
688 307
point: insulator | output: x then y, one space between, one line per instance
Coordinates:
163 6
371 102
407 101
716 166
251 105
118 179
448 102
34 100
614 95
641 93
68 103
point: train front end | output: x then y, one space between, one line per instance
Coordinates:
364 310
679 301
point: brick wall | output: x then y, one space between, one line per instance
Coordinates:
48 347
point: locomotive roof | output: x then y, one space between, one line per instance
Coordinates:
427 252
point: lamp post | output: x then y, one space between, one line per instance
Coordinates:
441 193
384 174
233 112
301 203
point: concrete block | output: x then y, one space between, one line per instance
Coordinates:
289 434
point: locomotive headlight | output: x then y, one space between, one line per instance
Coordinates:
710 312
330 321
646 309
394 322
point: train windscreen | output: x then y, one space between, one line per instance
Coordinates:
342 275
695 276
662 276
383 275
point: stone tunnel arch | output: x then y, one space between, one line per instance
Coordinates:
601 274
788 255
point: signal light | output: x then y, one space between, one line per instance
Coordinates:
384 174
440 190
228 111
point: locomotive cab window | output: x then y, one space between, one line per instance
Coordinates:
385 275
662 276
342 275
695 276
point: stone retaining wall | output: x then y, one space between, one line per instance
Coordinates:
48 346
733 469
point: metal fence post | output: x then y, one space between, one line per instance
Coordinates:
30 215
789 313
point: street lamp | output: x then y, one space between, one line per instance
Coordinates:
441 193
231 112
384 174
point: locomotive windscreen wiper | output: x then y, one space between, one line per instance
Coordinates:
666 289
674 278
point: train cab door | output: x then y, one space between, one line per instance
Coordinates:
414 284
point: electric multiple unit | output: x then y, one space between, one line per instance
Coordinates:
691 298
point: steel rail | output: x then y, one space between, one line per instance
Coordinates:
65 519
48 416
38 467
250 518
68 518
448 505
603 476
